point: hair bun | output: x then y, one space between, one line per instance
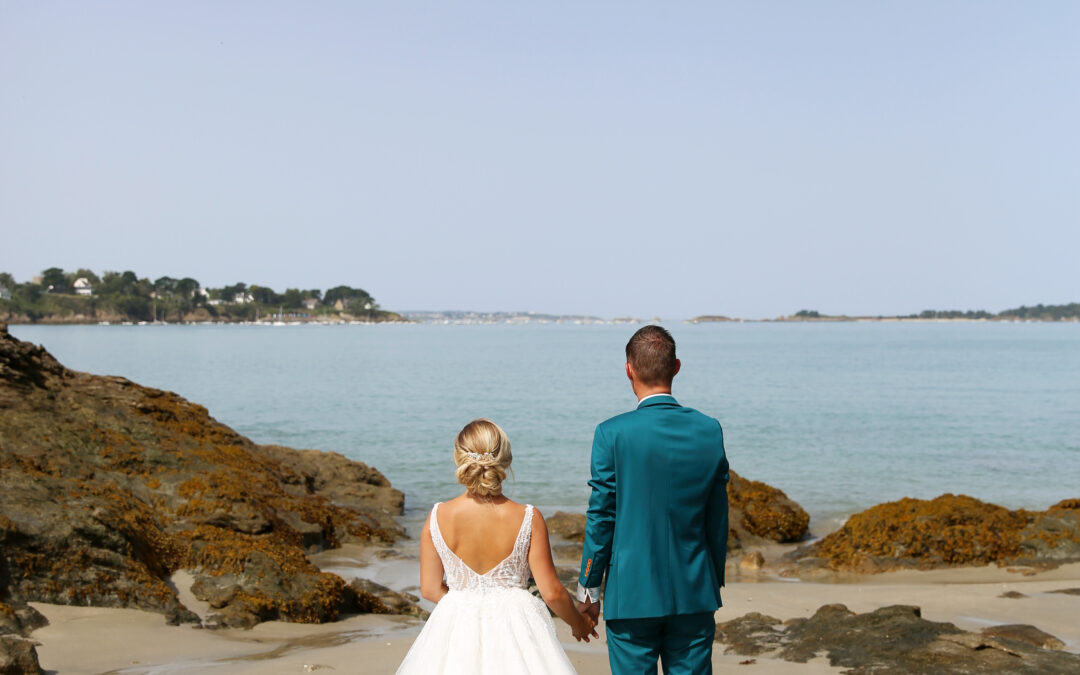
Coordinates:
482 455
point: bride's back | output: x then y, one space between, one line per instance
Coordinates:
481 534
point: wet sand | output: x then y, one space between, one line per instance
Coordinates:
96 640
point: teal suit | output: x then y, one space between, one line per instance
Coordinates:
657 526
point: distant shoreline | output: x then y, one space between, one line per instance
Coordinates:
73 321
879 319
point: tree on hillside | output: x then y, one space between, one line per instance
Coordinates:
347 295
165 285
119 283
264 295
362 306
54 280
110 283
186 288
229 293
292 298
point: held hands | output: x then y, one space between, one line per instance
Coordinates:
590 609
589 613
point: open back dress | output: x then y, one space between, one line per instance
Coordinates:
487 624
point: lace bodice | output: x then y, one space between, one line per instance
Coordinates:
511 572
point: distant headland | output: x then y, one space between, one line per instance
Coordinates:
83 297
59 297
1069 312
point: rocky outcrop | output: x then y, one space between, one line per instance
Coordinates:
945 532
896 640
107 488
760 512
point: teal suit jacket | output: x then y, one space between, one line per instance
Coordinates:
657 523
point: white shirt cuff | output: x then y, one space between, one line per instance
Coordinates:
588 594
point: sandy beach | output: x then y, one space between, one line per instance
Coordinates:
97 640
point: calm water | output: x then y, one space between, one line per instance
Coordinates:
840 416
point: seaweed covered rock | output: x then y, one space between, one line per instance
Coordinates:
107 488
20 619
759 511
18 656
369 597
896 640
949 531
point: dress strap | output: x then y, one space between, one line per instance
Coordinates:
525 533
436 533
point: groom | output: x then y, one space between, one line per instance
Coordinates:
657 523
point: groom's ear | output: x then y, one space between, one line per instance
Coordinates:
678 365
629 371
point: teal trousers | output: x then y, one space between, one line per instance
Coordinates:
683 643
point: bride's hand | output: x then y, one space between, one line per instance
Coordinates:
585 629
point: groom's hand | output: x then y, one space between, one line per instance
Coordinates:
590 609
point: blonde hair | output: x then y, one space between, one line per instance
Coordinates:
482 455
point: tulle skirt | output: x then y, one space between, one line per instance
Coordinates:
489 632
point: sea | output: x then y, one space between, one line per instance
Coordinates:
840 416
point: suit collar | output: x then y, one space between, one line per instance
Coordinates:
657 399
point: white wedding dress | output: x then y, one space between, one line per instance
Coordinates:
487 624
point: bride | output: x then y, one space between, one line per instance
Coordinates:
485 545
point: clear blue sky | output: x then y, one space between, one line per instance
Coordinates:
668 159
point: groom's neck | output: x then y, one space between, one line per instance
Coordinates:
642 391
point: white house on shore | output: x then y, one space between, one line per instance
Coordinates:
5 294
83 286
311 303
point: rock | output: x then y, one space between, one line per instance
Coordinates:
346 483
567 526
107 488
368 597
239 516
752 562
232 616
892 640
18 656
1024 633
216 591
949 531
1068 591
20 619
1012 595
761 512
751 634
1051 537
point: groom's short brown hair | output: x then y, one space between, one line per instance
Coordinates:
651 352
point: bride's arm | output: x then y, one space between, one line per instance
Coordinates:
547 581
431 569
